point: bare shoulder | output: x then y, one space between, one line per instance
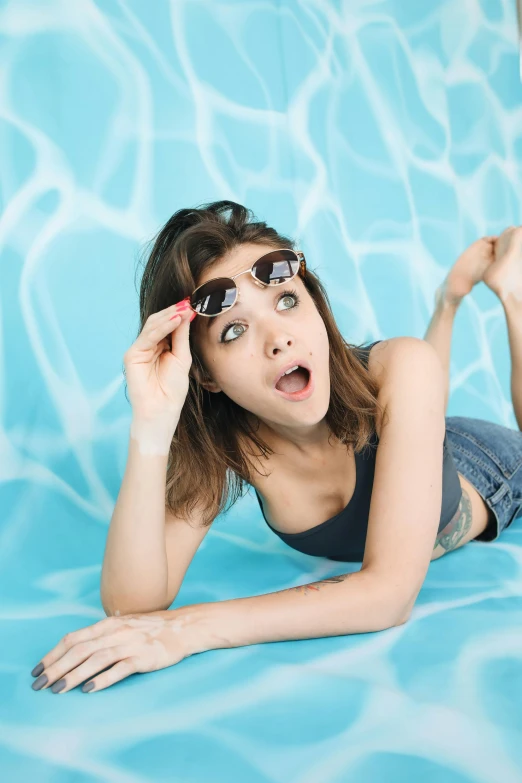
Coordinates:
396 363
397 356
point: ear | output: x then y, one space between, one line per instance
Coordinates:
203 379
211 386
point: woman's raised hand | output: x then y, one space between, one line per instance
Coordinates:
157 364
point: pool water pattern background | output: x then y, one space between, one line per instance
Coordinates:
384 136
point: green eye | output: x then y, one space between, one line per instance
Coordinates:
293 294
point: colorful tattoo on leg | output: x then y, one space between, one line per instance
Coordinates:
451 536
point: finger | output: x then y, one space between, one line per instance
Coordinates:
93 667
163 345
102 628
180 340
157 328
182 312
116 673
157 320
186 300
168 310
101 648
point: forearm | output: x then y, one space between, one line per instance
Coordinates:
439 335
344 604
135 570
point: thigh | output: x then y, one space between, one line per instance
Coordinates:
489 456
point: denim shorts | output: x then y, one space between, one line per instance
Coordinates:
490 457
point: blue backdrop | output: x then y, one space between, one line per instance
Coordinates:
386 137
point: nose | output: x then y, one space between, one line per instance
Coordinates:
281 344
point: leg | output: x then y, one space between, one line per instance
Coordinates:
513 311
504 277
467 270
439 333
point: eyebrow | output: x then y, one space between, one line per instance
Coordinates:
212 321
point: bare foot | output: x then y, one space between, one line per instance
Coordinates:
468 269
504 276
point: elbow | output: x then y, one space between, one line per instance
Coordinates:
391 609
401 619
111 610
394 612
401 613
112 605
125 606
122 610
123 601
393 619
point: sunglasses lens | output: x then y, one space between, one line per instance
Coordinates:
214 297
218 295
276 267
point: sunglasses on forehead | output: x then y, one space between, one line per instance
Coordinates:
221 293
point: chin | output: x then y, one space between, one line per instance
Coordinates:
310 411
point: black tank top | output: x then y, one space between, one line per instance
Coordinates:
343 536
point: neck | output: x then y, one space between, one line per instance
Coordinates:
299 443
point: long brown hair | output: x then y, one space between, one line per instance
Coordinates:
207 463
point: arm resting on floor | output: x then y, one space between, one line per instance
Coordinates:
336 606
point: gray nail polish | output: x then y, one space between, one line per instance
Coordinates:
58 686
40 682
38 669
88 687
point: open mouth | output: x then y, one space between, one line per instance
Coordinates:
295 385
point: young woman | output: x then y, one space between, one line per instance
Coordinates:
350 452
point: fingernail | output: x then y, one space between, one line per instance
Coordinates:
38 669
40 682
192 316
87 687
58 686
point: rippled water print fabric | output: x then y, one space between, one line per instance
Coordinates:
386 136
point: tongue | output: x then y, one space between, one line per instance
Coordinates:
294 381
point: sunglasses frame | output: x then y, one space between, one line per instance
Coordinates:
301 268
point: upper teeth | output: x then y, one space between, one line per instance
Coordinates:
291 369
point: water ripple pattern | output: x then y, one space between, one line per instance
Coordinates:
386 137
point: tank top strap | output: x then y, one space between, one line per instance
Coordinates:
364 351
